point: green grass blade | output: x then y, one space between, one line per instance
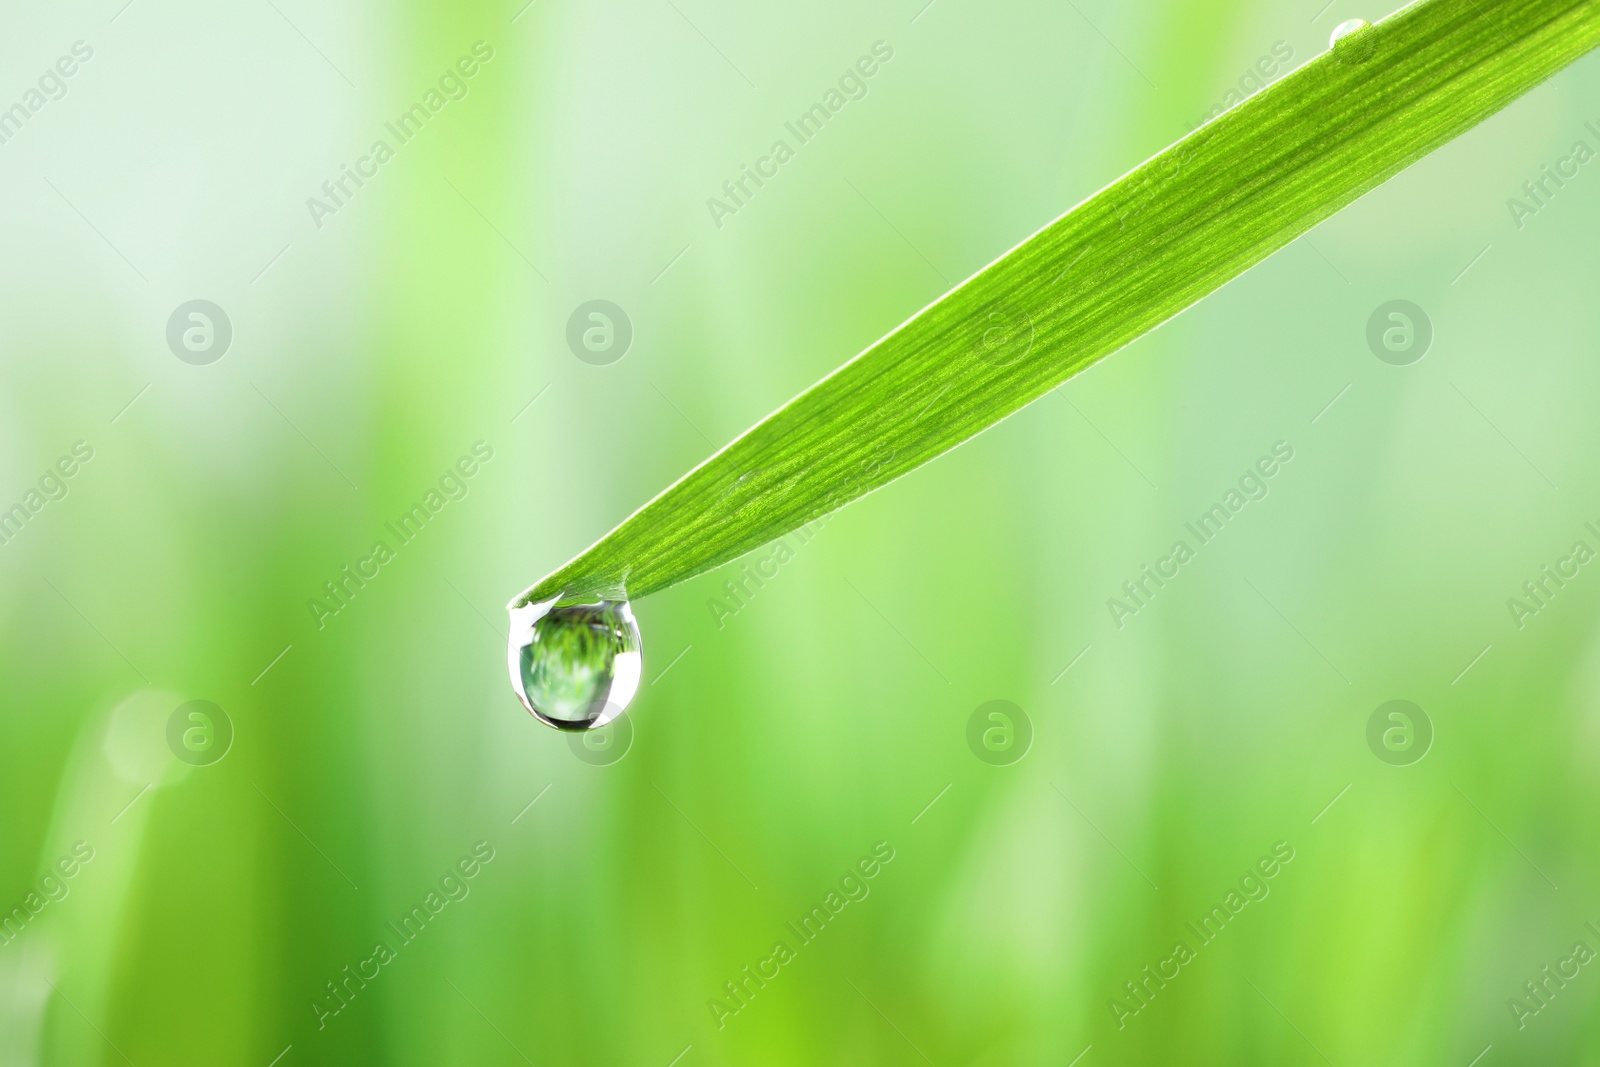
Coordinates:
1138 252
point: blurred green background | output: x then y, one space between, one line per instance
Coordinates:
375 345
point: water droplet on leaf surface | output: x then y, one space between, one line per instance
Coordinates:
1352 41
576 666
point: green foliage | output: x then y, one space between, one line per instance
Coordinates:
1127 259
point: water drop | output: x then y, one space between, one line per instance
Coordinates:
577 666
742 484
1352 41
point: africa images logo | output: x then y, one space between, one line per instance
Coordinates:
452 85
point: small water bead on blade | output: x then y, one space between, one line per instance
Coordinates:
576 666
1352 41
1345 29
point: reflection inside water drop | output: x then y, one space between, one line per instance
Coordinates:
576 667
